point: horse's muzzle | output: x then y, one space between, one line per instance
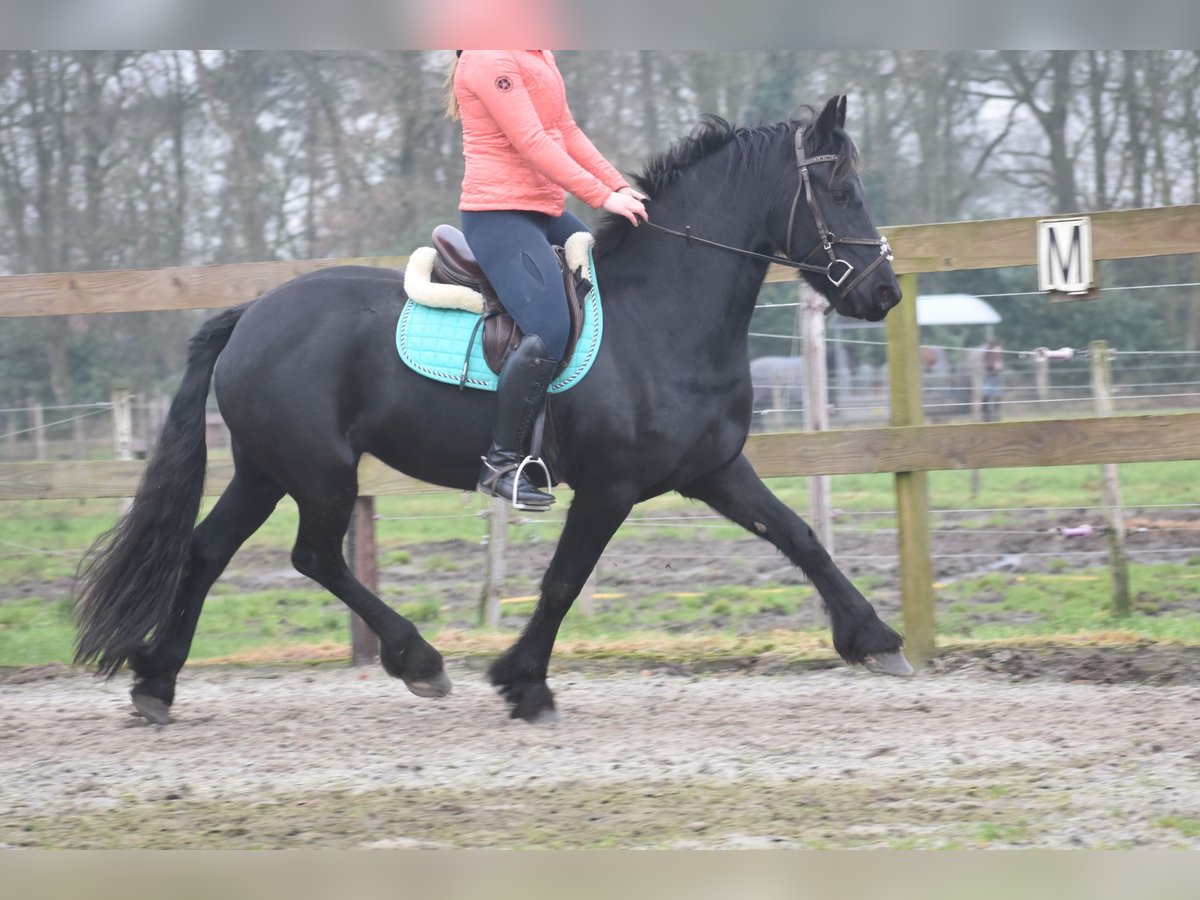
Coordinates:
875 306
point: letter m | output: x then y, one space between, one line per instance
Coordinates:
1072 269
1064 255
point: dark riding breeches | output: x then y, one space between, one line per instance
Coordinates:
513 248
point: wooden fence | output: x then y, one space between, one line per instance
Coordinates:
909 449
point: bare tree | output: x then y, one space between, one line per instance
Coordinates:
1042 83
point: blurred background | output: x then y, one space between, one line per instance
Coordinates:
146 159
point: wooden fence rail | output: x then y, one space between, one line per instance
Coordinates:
918 448
943 247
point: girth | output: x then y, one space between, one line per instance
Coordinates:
456 264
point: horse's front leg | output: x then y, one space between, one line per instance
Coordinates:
736 492
520 674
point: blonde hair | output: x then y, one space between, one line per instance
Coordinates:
452 111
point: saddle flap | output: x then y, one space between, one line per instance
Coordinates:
454 264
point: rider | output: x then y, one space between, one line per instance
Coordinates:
523 153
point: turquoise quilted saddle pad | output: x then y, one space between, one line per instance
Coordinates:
433 342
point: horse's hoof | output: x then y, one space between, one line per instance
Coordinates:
545 717
438 686
888 664
152 709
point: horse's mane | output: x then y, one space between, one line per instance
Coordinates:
714 133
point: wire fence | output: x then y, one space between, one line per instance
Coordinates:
859 391
861 396
857 397
1034 382
43 432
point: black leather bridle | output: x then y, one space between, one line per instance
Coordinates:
837 270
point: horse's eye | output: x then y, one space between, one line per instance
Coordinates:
839 196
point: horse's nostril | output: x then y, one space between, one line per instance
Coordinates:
886 296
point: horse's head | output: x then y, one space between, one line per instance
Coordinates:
829 229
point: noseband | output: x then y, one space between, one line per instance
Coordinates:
837 270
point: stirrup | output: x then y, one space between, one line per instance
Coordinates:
490 485
532 461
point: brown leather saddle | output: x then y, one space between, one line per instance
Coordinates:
456 264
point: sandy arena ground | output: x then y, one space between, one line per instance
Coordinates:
332 757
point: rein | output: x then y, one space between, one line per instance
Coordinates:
828 240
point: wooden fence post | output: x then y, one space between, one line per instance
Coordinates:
912 488
816 406
364 645
122 424
12 427
586 601
977 364
37 425
1041 375
1118 563
122 419
494 571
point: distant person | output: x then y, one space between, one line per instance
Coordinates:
993 380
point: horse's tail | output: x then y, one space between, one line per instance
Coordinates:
128 583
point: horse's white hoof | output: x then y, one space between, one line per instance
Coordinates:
888 664
438 686
152 709
545 717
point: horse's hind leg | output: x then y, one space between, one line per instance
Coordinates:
736 491
325 506
520 674
240 511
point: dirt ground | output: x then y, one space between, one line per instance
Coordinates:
334 757
973 752
1019 746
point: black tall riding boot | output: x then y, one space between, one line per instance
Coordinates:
521 395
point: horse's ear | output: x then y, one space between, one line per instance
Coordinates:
841 112
827 121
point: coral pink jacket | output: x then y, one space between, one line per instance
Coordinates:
523 149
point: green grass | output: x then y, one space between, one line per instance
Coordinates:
36 629
990 833
1165 609
677 612
41 543
1190 827
44 539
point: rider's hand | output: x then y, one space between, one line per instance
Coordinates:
630 207
633 192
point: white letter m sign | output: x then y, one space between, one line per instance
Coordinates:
1065 255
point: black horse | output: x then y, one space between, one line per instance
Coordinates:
309 380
